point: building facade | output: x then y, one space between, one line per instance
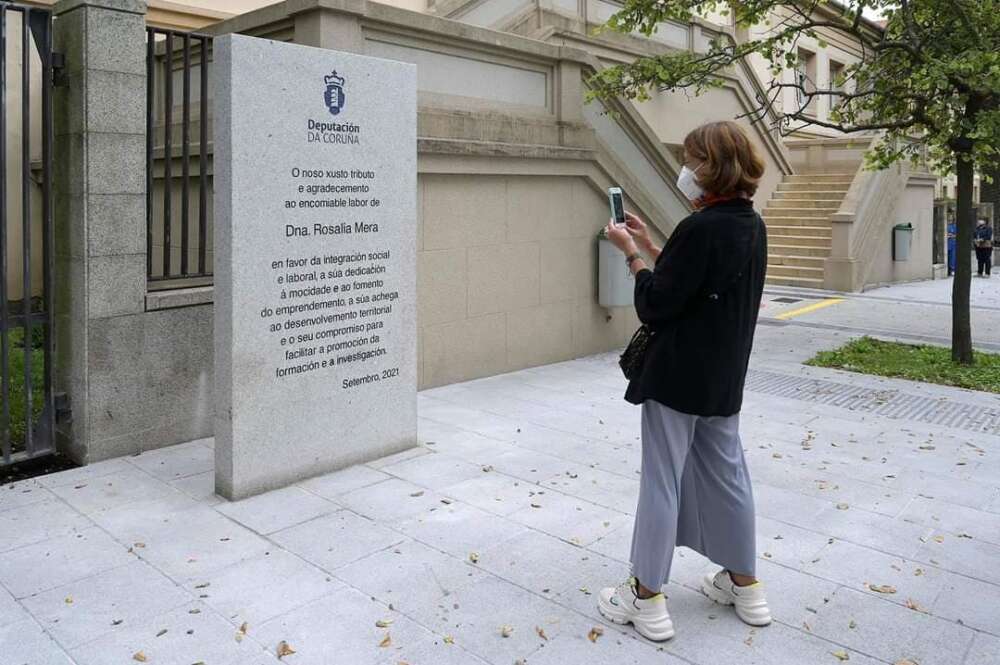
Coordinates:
513 167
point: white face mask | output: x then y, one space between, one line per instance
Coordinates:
688 185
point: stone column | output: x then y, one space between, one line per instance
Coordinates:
332 24
99 185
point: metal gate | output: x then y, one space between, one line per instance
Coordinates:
26 233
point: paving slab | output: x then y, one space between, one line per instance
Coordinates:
278 509
112 601
176 462
889 631
38 521
261 588
185 635
407 574
25 643
336 540
342 627
51 563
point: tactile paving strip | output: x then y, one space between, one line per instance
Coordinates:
887 403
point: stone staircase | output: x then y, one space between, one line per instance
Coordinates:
799 232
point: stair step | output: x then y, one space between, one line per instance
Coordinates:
802 241
820 177
776 231
823 213
804 282
830 198
828 187
797 250
794 271
783 220
818 204
798 261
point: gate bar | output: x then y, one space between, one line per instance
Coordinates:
168 148
48 231
5 442
150 99
203 160
29 443
186 154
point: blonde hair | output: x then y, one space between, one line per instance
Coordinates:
730 162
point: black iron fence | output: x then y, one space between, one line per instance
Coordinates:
178 224
26 288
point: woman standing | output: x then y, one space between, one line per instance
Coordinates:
701 300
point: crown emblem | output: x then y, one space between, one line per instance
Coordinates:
334 79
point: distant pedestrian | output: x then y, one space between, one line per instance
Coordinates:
952 243
983 240
701 301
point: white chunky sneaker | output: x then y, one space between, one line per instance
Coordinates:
649 616
749 601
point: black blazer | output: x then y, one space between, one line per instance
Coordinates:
702 301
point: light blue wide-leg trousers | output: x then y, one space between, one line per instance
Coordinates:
694 491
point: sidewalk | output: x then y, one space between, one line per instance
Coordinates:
878 534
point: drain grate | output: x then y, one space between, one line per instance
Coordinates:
887 403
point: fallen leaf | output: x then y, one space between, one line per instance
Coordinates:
139 656
506 631
541 633
882 588
116 622
906 661
853 624
807 626
841 655
139 546
416 494
767 555
448 639
474 557
162 633
386 641
536 505
244 627
69 600
842 506
938 539
965 535
585 590
777 455
913 605
594 633
918 572
284 649
203 585
383 623
487 468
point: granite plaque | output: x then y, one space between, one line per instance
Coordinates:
315 261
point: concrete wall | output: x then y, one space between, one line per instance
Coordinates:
507 275
916 207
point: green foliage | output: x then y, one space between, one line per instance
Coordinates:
18 401
931 364
930 81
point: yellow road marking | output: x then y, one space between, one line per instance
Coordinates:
809 308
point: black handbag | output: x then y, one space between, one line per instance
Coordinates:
634 355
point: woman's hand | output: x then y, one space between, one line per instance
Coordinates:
638 230
621 238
